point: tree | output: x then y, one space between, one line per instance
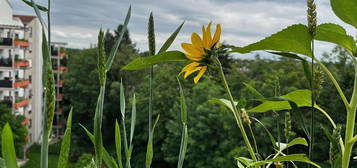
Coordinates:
18 129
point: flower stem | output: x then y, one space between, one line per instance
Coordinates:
236 113
350 123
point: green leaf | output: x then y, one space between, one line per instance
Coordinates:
183 104
295 38
98 140
118 144
296 141
345 10
183 147
133 119
66 143
144 62
272 139
7 147
150 149
122 99
224 102
293 157
42 8
106 156
336 34
244 160
38 14
170 40
114 50
302 98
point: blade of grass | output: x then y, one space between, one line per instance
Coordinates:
184 138
171 39
150 149
66 143
118 144
114 50
7 147
133 119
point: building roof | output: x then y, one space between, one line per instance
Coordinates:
25 18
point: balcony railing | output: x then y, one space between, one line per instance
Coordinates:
54 52
21 103
5 83
22 83
5 41
60 96
21 63
26 121
21 43
5 62
62 68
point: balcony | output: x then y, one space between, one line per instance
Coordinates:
60 97
21 43
21 63
21 103
26 121
60 82
5 41
63 54
54 52
59 124
62 68
22 83
59 111
5 62
5 83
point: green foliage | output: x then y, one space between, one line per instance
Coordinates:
19 130
144 62
295 38
42 8
345 10
7 147
293 157
84 160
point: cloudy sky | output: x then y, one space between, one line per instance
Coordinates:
243 21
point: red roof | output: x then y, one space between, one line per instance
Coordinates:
25 18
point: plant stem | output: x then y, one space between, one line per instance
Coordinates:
44 143
236 113
350 123
312 121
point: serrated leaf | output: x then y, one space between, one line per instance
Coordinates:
302 98
293 157
170 40
345 10
66 143
144 62
7 147
295 38
336 34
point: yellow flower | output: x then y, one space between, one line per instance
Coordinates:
199 51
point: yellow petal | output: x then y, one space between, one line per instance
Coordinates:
208 36
200 74
190 66
196 41
191 50
217 34
190 71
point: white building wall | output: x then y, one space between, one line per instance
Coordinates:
6 11
37 90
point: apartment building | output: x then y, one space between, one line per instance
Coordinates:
59 56
21 68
